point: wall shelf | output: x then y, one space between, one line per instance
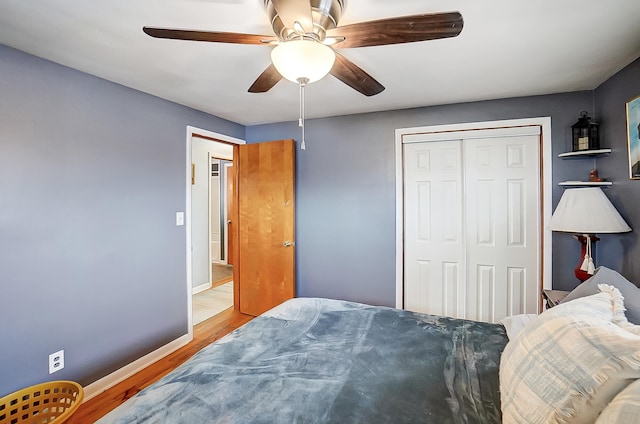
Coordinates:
585 183
582 153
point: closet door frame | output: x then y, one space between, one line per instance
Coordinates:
405 135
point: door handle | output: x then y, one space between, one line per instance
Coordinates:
287 243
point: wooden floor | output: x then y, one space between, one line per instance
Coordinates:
203 334
221 273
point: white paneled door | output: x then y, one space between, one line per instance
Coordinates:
434 242
472 223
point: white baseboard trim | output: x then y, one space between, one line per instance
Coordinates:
201 288
108 381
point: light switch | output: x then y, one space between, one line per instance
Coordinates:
179 219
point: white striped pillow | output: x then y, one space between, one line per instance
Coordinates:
567 364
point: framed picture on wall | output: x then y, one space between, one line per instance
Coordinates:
633 137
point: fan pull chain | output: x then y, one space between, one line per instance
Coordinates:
303 83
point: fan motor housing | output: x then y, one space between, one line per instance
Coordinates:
325 14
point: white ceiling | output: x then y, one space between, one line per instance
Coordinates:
507 48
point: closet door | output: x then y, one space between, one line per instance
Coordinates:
472 236
503 226
434 246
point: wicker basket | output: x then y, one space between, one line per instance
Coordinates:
51 402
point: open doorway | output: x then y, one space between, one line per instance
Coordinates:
219 296
264 182
220 201
212 270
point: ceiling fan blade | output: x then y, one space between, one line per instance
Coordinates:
407 29
352 75
211 36
292 11
266 80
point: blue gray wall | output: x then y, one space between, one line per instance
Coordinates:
345 189
619 251
91 175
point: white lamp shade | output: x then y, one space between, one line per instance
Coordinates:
586 211
303 59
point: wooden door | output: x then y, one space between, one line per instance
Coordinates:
266 215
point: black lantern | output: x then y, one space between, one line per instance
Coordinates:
585 134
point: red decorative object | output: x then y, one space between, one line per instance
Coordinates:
579 273
593 176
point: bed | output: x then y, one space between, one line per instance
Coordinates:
329 361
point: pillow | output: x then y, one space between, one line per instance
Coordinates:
566 365
515 323
624 408
605 275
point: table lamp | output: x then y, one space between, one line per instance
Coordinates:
585 212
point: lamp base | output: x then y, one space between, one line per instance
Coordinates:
582 239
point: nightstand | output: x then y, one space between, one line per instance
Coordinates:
554 297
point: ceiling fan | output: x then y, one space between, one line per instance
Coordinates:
309 29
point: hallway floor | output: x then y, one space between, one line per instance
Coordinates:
212 301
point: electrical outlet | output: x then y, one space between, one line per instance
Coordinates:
56 361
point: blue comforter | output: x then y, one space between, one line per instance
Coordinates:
329 361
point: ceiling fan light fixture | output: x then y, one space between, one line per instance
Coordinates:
303 59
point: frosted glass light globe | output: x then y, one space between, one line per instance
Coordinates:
308 59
